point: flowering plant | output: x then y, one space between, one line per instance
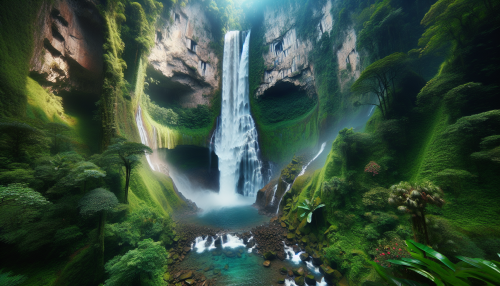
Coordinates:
372 167
394 249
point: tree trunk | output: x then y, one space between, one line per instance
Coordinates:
127 180
424 223
100 231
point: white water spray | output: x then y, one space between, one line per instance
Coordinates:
289 186
144 136
236 142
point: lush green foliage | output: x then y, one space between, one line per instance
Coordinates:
443 271
96 201
7 280
143 265
310 207
21 195
126 154
143 223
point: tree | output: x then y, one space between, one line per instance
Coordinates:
58 133
413 199
98 201
452 21
141 266
78 176
310 207
126 154
380 78
19 136
21 195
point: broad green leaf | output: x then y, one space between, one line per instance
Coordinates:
309 217
428 276
303 207
436 255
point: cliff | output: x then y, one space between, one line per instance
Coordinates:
184 58
68 46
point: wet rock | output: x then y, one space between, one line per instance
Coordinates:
218 242
189 281
299 272
267 263
332 276
290 273
299 281
296 249
304 256
186 275
224 238
281 256
238 255
216 271
290 236
187 249
283 271
229 253
316 260
251 243
283 224
281 281
270 255
209 241
216 253
208 268
310 280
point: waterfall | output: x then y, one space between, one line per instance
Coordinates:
144 136
236 142
302 172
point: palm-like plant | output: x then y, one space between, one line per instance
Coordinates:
413 199
440 269
310 207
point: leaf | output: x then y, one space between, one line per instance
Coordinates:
309 217
302 215
320 206
428 276
303 207
435 254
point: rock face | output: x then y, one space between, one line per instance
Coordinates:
68 46
348 59
287 57
182 55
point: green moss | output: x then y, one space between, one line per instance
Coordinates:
154 189
16 49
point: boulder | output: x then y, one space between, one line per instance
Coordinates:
316 259
186 275
224 238
310 280
187 249
332 276
283 224
267 263
269 255
290 236
216 271
283 271
281 281
299 281
296 249
251 243
189 281
299 272
218 242
304 256
290 273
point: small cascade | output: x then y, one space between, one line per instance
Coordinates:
233 242
312 267
236 142
144 136
370 112
291 255
302 172
274 193
199 244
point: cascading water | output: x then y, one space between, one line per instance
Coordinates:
236 142
302 172
144 136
